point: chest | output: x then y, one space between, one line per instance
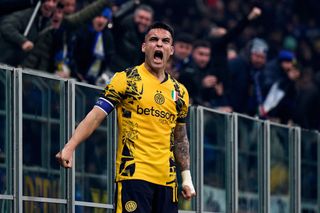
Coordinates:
149 97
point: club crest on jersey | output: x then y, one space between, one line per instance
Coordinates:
159 98
130 206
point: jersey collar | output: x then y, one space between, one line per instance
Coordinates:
145 70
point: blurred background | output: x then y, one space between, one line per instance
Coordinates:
253 76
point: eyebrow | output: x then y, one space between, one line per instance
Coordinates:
157 37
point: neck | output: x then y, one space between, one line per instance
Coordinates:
158 73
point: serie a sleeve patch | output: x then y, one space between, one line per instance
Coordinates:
104 105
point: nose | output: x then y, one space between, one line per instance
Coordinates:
159 43
144 21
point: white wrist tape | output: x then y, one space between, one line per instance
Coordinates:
187 181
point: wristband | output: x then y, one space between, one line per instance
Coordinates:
187 181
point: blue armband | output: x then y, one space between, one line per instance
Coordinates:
104 105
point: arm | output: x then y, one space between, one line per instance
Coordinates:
40 56
12 27
125 9
111 96
86 14
181 153
82 132
181 147
234 32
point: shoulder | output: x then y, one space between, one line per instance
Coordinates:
237 61
25 12
127 20
179 87
133 73
21 16
237 64
129 74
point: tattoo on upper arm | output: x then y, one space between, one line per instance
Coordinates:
181 147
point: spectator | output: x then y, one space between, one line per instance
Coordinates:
13 40
63 43
306 111
94 49
182 53
52 40
231 54
69 6
220 39
245 92
129 32
281 102
203 87
277 68
196 70
57 16
290 43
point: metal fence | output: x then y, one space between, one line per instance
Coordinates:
239 163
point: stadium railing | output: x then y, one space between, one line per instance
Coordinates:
238 163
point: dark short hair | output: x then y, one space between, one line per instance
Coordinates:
185 38
201 43
161 25
146 8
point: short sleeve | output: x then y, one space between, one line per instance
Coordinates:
184 99
113 93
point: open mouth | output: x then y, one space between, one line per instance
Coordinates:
55 20
158 55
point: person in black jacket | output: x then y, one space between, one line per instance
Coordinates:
204 88
129 32
245 94
220 38
12 32
181 58
51 41
93 49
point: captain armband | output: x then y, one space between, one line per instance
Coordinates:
104 105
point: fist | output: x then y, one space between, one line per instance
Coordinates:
64 157
188 193
27 46
254 13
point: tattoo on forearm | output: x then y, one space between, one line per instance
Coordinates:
181 147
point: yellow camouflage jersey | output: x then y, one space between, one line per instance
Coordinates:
148 111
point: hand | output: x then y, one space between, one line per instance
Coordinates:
254 13
64 157
187 193
219 89
64 71
209 81
188 190
27 46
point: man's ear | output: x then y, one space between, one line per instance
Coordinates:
143 47
172 50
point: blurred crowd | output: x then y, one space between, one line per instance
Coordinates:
256 58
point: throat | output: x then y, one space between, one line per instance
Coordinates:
160 74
